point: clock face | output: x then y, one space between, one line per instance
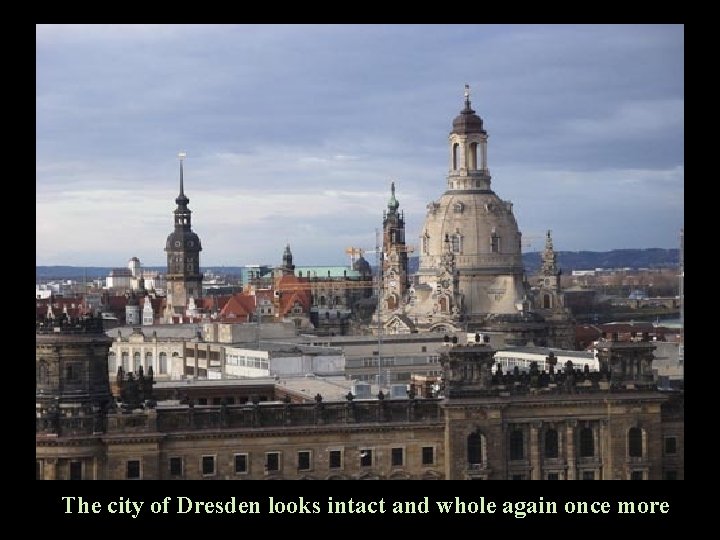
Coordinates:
444 283
393 283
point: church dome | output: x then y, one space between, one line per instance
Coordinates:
362 266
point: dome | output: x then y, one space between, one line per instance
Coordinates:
467 121
484 239
362 266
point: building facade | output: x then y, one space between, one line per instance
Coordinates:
570 424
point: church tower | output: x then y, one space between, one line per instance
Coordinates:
395 259
287 268
184 280
480 231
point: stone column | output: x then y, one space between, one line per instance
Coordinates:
536 470
570 449
50 469
603 456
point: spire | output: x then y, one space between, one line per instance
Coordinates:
549 258
467 98
393 203
182 199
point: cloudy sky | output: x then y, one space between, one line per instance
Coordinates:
293 134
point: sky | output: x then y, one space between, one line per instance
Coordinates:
293 134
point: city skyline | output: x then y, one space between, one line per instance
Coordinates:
294 133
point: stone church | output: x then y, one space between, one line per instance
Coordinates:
471 275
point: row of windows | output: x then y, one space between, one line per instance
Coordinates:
456 243
273 461
125 359
247 361
586 440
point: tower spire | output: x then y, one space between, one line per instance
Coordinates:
393 203
181 156
182 199
467 97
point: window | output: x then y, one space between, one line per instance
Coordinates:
208 465
304 459
125 362
426 244
475 449
588 475
472 158
335 459
428 455
670 475
162 368
551 443
670 446
495 244
272 461
76 470
587 442
38 469
241 463
635 446
517 445
133 469
553 476
455 149
456 241
518 477
423 349
176 466
148 360
637 475
396 457
366 457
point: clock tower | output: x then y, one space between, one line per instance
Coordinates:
184 280
395 258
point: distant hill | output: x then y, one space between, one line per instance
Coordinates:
617 258
567 260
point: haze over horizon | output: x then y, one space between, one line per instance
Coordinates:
294 133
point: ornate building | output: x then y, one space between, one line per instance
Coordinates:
565 425
471 275
184 280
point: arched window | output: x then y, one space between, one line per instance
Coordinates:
162 368
148 361
546 301
455 152
476 448
125 362
551 443
112 362
322 300
517 445
472 158
587 442
635 445
42 372
71 373
136 361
